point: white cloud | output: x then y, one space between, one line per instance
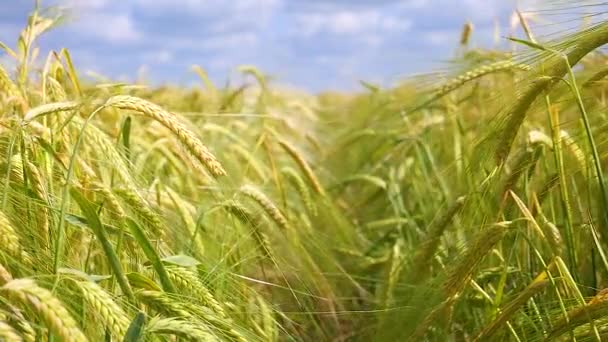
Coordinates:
348 22
441 37
217 42
86 5
207 7
111 27
102 19
162 56
228 41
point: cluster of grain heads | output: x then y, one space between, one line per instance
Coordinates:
170 121
579 45
46 306
194 314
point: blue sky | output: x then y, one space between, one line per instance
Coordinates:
312 44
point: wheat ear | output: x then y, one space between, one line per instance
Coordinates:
582 44
464 267
266 204
181 328
112 315
188 280
169 120
47 307
8 333
306 169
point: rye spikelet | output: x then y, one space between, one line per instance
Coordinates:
38 130
48 308
105 150
266 204
299 159
575 149
552 233
186 137
220 325
110 313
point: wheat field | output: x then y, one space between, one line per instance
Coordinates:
469 205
